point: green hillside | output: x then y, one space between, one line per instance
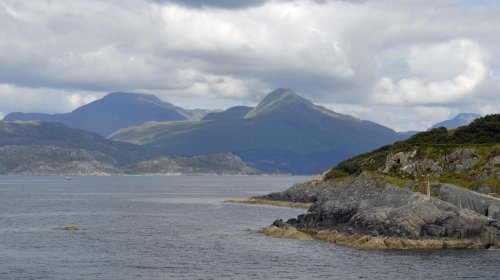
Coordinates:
468 156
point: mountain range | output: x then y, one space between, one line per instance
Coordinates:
115 111
283 133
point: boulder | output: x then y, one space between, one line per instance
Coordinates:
71 227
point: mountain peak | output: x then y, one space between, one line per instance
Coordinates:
459 120
279 99
284 103
280 94
133 97
467 116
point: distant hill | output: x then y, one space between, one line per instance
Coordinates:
459 120
283 133
41 148
115 111
468 156
407 134
218 164
24 145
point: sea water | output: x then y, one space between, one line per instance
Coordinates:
178 227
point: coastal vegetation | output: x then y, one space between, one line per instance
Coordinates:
438 153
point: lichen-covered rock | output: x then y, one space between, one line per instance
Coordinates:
406 164
398 160
422 167
494 160
461 160
457 161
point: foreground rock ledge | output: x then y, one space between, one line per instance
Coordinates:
368 212
370 242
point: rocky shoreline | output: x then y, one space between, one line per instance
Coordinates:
369 242
271 202
368 212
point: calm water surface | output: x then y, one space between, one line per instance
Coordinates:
179 228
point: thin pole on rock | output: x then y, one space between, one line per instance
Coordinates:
428 189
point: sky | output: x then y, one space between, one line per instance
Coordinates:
406 64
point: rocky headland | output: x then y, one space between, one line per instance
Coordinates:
368 212
438 189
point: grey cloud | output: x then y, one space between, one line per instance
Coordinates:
227 4
237 4
190 54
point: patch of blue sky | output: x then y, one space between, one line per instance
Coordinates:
393 68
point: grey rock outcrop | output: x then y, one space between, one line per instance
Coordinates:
462 198
400 159
457 161
405 163
495 160
461 160
368 206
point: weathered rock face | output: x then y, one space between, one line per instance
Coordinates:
462 198
461 160
495 161
367 206
306 192
405 163
400 159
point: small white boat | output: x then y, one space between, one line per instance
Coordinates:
68 178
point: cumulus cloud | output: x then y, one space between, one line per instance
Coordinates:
365 55
44 100
443 73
